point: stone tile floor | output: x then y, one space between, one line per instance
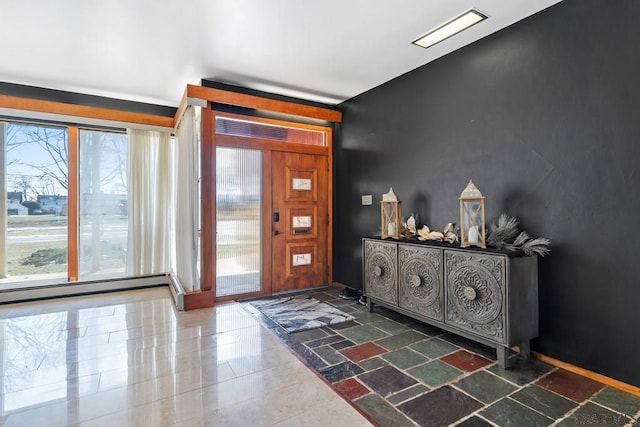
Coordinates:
402 372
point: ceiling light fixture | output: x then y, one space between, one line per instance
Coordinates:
450 28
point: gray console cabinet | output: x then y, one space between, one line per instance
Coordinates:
486 296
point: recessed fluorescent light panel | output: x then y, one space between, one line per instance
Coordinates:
450 28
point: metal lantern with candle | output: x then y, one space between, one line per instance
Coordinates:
472 228
390 214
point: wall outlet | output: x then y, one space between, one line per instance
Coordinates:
367 200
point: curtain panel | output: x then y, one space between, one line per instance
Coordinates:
149 202
187 220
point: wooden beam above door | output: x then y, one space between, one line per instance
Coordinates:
256 102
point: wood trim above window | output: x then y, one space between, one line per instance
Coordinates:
73 110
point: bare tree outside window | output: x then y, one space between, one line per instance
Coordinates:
47 165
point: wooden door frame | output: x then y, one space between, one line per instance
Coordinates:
210 141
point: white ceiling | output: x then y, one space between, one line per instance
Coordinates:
148 50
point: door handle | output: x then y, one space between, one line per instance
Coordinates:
276 218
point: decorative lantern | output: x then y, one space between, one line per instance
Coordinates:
472 231
390 214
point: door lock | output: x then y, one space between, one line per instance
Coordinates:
276 216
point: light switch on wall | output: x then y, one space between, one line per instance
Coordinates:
367 200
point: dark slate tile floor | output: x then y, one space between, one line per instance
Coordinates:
401 372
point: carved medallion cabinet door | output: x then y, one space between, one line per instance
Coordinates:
380 271
476 293
420 280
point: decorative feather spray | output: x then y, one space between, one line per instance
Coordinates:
505 235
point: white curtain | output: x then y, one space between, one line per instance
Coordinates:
149 202
187 203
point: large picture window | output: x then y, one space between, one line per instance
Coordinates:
35 191
38 171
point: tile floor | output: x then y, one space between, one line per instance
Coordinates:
401 372
130 359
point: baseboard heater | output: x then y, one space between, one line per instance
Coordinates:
70 289
177 291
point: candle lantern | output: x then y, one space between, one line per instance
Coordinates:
390 214
472 228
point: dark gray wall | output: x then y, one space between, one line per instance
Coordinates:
544 116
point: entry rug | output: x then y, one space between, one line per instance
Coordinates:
299 313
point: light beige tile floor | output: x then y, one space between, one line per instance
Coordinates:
131 359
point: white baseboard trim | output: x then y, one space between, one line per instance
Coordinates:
82 288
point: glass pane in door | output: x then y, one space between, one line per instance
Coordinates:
238 225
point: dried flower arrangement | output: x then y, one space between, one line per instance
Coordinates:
505 235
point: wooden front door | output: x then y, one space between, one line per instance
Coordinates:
300 221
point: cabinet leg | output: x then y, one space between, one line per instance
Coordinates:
503 357
369 305
525 350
